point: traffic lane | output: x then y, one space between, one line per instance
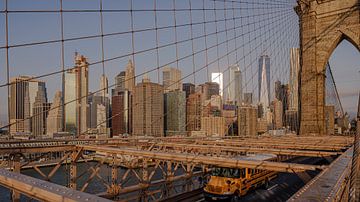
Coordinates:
281 188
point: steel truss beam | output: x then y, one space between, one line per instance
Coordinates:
42 190
205 160
32 150
215 149
148 186
278 145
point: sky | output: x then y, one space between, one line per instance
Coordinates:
252 29
345 65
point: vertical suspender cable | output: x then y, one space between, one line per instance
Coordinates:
7 61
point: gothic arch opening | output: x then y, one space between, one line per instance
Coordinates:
344 62
349 40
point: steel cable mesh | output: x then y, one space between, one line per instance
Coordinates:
220 17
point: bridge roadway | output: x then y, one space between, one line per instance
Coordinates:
213 148
287 145
330 184
170 154
203 159
280 189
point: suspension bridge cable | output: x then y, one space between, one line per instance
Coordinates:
279 31
129 54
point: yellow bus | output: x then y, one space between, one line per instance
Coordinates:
230 184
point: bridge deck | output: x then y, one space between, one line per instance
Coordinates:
204 160
43 190
327 185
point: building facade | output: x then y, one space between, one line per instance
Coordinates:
121 113
248 99
175 113
189 89
292 120
148 108
23 92
294 79
40 112
214 126
171 79
282 94
278 114
129 82
122 100
234 89
207 90
264 80
193 112
97 101
247 120
54 121
119 83
76 96
217 77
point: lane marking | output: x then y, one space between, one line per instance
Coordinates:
273 187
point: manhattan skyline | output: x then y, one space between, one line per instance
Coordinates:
38 60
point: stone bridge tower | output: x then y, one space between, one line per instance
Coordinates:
323 25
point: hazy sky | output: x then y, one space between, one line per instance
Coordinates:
255 28
345 64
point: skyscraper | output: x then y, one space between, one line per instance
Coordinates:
248 98
217 77
119 83
235 85
189 88
238 87
23 92
148 107
19 105
96 101
278 114
122 99
77 88
40 113
175 112
213 126
104 84
34 87
54 119
130 76
264 80
171 79
121 113
292 120
207 90
247 121
70 102
282 94
99 105
294 79
101 118
278 90
212 107
193 112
